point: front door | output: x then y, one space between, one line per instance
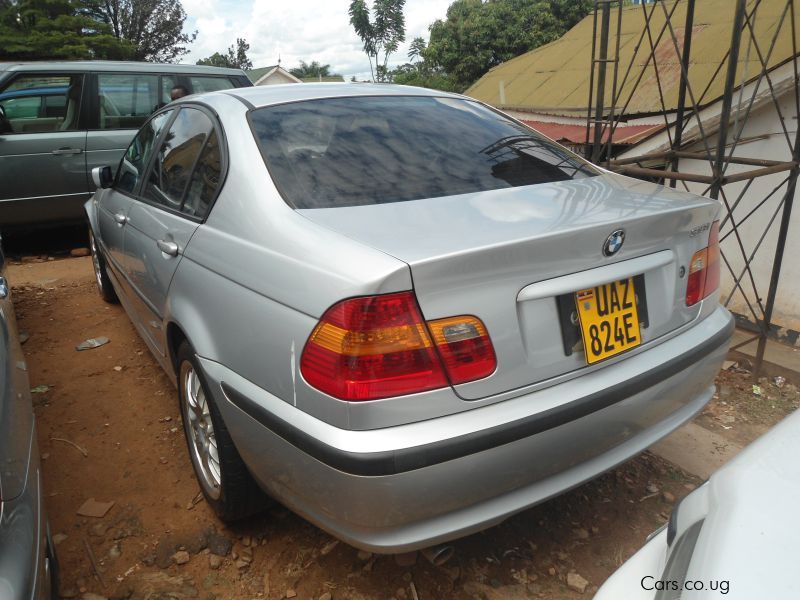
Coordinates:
42 149
114 203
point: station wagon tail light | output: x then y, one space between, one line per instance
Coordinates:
465 348
379 346
704 269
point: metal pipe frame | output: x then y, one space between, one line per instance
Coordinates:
718 147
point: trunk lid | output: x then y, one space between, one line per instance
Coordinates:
506 256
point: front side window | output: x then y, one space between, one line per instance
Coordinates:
176 158
371 150
39 103
138 154
126 100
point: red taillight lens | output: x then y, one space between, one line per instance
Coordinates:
372 347
378 346
465 348
704 269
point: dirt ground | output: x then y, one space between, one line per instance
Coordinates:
109 429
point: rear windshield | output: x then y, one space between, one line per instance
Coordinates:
373 150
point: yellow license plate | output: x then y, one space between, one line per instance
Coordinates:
609 319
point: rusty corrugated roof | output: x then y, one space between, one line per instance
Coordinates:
554 79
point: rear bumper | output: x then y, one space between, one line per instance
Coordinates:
410 486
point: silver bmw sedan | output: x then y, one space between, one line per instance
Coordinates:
399 312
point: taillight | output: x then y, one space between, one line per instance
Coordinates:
465 348
378 346
704 269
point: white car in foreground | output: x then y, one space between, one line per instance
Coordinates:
734 537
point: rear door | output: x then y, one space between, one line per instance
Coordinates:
42 160
173 201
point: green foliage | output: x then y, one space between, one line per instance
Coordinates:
306 71
416 49
235 58
381 36
215 60
153 27
478 35
419 75
56 29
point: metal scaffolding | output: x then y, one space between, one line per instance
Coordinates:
608 106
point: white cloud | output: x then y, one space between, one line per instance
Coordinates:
296 30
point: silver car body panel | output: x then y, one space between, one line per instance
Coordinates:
475 254
24 566
378 506
254 278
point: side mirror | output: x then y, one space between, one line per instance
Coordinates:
102 177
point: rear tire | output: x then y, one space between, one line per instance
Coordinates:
224 479
104 285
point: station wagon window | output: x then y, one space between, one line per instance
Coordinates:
176 158
126 100
371 150
167 83
37 103
139 152
201 85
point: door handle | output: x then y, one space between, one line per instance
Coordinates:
62 151
167 247
120 219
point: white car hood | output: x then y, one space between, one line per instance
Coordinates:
750 536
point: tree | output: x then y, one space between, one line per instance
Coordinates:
56 29
420 72
420 75
476 35
307 71
380 36
153 27
416 49
235 58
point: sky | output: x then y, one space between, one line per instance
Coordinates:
296 30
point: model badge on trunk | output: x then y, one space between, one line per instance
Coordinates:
614 242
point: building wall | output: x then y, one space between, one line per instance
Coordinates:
276 78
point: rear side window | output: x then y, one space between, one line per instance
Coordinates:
138 154
176 158
205 179
39 103
126 100
372 150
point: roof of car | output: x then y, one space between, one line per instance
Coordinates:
108 65
265 95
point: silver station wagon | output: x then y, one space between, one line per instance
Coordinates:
59 120
399 312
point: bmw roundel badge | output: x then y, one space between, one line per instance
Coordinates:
614 242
